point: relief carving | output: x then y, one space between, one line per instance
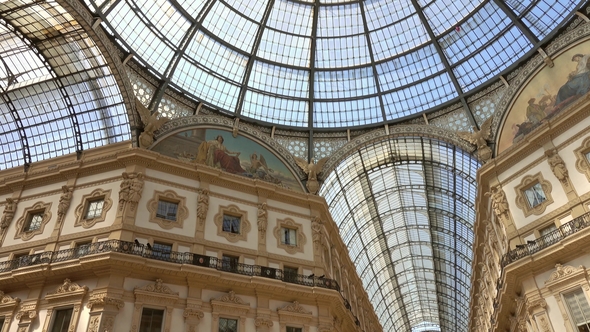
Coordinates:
202 205
8 214
262 219
563 271
557 166
499 202
158 287
296 307
64 203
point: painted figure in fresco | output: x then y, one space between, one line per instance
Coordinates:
578 82
213 153
534 112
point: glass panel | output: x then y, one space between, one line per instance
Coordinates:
151 320
94 209
231 224
167 210
34 222
228 325
289 236
61 320
535 195
579 309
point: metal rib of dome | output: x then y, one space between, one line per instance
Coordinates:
405 209
57 93
331 63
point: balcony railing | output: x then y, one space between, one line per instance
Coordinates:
547 240
132 248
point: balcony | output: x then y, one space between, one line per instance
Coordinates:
132 248
547 240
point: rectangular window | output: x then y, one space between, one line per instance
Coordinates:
535 195
231 224
294 329
61 320
230 263
228 325
579 309
167 210
289 236
94 209
151 320
161 250
34 221
290 274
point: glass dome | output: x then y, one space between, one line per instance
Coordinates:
329 63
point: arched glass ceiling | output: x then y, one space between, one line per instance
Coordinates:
405 209
328 63
57 94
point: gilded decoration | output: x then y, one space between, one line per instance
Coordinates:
236 155
546 94
582 158
172 197
82 208
283 243
39 207
527 183
228 233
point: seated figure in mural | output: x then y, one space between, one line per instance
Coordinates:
577 85
213 153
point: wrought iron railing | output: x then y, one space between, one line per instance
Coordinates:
547 240
135 249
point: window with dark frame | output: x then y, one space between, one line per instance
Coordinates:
231 224
61 320
290 274
228 325
161 250
34 221
167 210
94 209
294 329
579 309
229 263
535 195
151 320
289 236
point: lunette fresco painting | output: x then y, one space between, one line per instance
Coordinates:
219 149
550 92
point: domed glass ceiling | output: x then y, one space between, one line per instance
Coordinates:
330 63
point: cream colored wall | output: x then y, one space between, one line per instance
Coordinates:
211 228
143 215
271 240
578 179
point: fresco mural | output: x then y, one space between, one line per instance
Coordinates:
547 94
219 149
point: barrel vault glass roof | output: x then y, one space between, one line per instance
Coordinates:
405 210
329 63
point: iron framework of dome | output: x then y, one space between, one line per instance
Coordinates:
329 64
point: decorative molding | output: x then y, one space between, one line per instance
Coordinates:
155 295
231 297
563 272
262 220
557 166
202 205
102 299
64 203
263 322
193 313
8 213
82 208
68 294
157 287
582 162
526 183
130 190
295 307
232 210
168 196
39 207
301 238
